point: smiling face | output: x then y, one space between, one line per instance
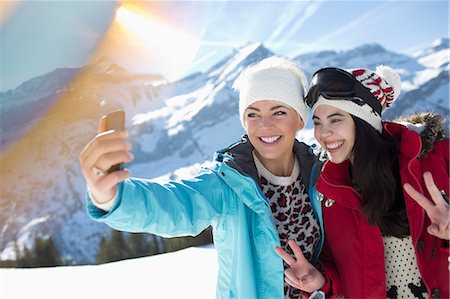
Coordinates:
271 127
334 129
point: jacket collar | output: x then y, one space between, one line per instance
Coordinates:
336 184
239 156
430 127
410 143
237 161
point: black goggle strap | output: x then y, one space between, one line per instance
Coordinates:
364 93
348 87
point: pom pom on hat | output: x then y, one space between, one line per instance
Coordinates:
391 77
385 83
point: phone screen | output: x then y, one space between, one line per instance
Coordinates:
115 121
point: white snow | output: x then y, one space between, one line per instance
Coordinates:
436 60
192 104
306 135
426 75
188 273
150 115
33 223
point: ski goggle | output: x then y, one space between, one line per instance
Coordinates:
337 84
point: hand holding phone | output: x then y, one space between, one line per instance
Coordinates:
105 149
115 121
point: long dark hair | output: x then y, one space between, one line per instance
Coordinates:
376 177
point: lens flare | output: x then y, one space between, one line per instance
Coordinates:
7 8
169 49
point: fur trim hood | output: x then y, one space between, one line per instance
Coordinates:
430 127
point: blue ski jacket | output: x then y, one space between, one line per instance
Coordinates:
227 197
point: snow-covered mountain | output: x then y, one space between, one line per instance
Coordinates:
174 128
42 191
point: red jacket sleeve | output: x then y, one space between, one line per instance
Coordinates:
333 286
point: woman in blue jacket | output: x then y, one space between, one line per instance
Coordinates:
258 195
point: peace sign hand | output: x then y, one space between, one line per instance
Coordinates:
439 212
301 274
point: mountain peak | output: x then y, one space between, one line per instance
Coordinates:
115 69
106 65
242 57
369 49
435 56
103 61
438 45
441 43
251 46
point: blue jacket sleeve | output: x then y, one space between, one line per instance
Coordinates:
177 208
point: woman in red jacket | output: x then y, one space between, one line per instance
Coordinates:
385 186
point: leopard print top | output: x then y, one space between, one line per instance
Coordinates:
292 212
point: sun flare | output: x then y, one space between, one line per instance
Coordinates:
168 48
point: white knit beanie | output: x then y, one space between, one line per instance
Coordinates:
274 78
384 84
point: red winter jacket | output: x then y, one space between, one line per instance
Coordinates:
353 257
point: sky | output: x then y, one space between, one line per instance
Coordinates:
176 38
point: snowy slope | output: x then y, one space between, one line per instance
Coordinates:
436 56
188 273
45 190
174 128
428 90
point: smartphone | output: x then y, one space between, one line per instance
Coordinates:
115 121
